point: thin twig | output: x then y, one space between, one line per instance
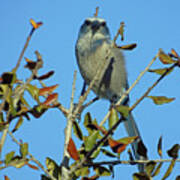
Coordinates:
151 87
125 94
32 157
23 51
117 162
103 139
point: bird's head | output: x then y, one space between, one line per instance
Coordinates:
94 27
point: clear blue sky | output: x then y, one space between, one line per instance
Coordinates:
151 24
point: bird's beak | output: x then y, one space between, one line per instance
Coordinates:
95 26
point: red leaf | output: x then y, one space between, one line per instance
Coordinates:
47 90
45 76
6 178
116 146
50 99
33 167
100 129
72 150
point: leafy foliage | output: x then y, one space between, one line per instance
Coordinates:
95 139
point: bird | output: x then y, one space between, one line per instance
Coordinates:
95 51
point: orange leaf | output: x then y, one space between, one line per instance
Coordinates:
165 58
72 150
174 53
50 99
28 60
116 146
33 167
34 24
47 90
6 178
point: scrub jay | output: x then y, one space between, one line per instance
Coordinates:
95 50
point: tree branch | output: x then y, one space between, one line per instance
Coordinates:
32 157
117 162
65 162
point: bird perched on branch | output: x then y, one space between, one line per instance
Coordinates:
97 56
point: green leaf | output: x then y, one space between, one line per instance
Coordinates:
91 140
159 100
96 153
169 170
102 171
52 168
18 124
33 91
113 118
77 130
149 168
141 176
2 124
127 140
123 110
173 152
87 119
161 71
84 171
24 150
9 157
108 153
18 162
25 102
165 59
157 170
160 146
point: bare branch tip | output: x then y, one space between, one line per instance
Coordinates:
96 12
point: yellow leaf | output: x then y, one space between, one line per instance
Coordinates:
161 71
128 46
159 100
113 118
160 146
128 140
123 110
157 170
24 149
149 168
169 170
34 24
165 59
121 30
18 124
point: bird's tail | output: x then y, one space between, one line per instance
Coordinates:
132 130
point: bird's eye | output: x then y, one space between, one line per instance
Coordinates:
103 23
87 22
